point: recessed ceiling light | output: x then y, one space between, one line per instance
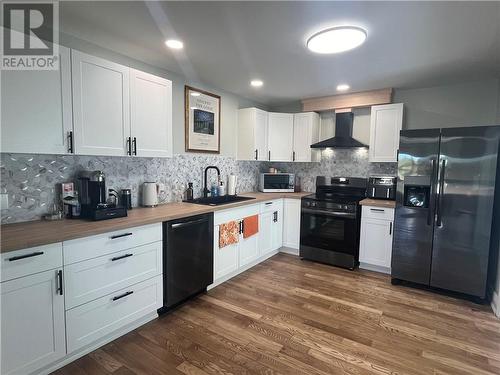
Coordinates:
336 39
194 93
343 87
256 83
174 44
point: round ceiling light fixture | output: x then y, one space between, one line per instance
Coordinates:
336 39
256 83
343 87
174 44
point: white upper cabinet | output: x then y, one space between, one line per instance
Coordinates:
100 105
305 133
385 124
36 109
252 134
150 114
280 136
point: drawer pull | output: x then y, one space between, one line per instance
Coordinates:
120 235
121 257
269 203
377 209
35 254
60 282
122 295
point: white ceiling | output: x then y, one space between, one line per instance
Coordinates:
227 44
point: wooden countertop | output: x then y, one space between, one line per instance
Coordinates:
35 233
378 203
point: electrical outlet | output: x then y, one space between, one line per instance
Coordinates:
4 201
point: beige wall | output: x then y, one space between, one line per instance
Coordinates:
230 103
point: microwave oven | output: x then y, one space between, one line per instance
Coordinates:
277 182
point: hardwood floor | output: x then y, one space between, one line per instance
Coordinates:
287 316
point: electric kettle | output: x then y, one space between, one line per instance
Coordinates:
150 191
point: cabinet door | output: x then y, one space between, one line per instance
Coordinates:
305 133
291 223
249 249
36 112
386 122
277 227
261 134
376 242
32 323
150 114
101 109
266 232
280 136
226 258
252 134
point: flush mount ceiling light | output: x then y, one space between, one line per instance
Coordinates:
336 39
174 44
256 83
343 87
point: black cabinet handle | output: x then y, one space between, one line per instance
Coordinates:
377 209
123 295
293 156
269 203
121 257
275 216
390 228
134 142
269 155
60 282
19 257
121 235
129 146
70 142
242 226
256 154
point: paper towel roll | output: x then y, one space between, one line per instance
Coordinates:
231 184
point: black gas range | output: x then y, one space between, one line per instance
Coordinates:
330 221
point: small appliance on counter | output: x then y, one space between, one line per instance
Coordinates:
381 187
126 198
277 182
232 180
150 192
93 197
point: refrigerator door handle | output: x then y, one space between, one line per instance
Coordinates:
439 220
432 192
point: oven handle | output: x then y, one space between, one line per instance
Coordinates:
347 215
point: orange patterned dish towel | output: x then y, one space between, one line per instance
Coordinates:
228 234
250 226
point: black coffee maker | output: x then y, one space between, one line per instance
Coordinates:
92 194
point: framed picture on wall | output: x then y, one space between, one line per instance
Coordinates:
202 121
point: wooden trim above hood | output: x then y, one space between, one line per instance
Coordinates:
353 100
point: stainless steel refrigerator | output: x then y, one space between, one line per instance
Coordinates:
445 222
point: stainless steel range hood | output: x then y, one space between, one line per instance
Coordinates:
343 134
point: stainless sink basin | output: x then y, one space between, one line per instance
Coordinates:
217 201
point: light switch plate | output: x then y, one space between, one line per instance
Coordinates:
4 201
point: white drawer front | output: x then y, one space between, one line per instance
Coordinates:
91 321
97 277
221 217
107 243
25 262
382 213
272 205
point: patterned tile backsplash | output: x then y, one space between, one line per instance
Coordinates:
30 180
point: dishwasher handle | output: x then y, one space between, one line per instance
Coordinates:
188 223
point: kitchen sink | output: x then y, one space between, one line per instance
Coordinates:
217 201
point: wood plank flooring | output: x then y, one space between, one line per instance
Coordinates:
287 316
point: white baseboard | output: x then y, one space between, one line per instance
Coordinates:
289 250
495 303
373 267
96 345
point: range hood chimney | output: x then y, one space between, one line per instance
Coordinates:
343 133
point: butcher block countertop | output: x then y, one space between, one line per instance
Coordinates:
36 233
378 203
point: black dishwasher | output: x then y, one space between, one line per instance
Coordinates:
188 258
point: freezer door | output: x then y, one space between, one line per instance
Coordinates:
466 186
415 201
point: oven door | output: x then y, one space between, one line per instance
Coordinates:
329 231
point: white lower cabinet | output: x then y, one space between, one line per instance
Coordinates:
291 223
32 309
271 226
98 318
375 245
